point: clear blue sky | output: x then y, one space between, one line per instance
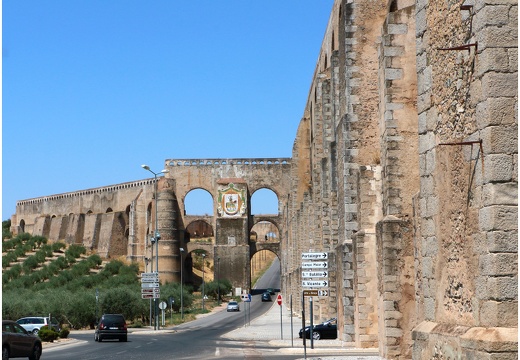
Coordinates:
92 89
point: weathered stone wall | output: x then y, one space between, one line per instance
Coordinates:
467 99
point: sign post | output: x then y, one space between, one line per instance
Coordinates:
279 301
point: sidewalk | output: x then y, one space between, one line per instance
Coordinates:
267 327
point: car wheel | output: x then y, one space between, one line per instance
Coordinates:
99 338
5 353
36 352
95 337
316 335
35 331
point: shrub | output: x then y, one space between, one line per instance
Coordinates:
48 335
64 333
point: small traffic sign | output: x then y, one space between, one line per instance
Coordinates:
323 292
150 291
315 265
310 292
315 256
279 299
315 274
150 285
162 305
319 283
150 275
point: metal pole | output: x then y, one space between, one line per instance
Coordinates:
292 331
152 301
156 247
218 281
97 298
203 256
304 335
312 324
281 327
182 280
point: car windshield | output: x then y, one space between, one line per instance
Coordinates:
232 303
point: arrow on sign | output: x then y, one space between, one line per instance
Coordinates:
323 292
313 274
315 283
315 256
318 264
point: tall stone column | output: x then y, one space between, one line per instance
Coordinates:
167 217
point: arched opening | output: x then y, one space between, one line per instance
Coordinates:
264 231
198 202
200 231
264 201
265 272
109 210
22 226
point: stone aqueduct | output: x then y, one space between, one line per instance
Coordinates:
404 170
118 220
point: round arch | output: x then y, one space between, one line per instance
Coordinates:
199 194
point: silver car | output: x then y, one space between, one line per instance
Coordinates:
233 306
35 323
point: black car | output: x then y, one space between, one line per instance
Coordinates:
325 330
270 291
111 326
17 342
266 296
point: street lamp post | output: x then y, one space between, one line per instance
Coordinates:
203 257
182 295
156 236
218 280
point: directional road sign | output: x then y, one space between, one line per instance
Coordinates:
310 292
315 274
315 265
323 292
149 285
315 256
150 275
319 283
150 291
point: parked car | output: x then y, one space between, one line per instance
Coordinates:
35 323
233 306
18 342
325 330
111 326
266 296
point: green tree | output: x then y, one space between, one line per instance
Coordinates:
174 290
212 288
6 229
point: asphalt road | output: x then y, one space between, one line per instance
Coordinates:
199 339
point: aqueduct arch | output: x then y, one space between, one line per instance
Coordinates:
83 216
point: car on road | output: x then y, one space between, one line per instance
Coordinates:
266 296
270 291
233 306
111 326
18 342
325 330
35 323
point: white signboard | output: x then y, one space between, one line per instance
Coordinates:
315 265
315 256
149 285
315 283
315 274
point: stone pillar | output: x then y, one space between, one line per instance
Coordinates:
167 216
